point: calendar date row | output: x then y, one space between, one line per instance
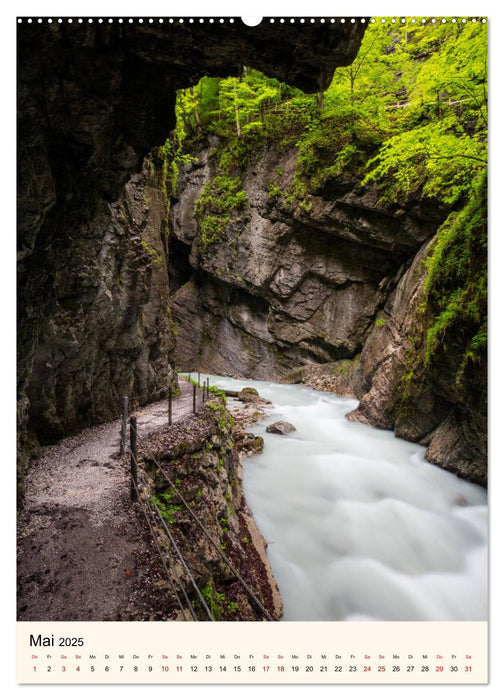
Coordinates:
308 668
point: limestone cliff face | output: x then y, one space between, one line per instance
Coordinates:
93 100
285 286
335 284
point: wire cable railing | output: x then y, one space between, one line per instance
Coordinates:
152 523
157 518
253 598
168 394
147 497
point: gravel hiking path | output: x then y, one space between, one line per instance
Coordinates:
85 551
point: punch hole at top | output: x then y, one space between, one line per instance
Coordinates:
251 21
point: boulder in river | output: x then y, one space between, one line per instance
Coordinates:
281 427
249 395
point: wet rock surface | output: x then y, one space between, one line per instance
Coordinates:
450 421
334 377
249 395
250 444
281 427
101 331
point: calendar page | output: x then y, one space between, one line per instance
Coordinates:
252 349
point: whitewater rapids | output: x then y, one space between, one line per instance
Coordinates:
359 526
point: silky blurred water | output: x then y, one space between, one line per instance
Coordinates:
359 526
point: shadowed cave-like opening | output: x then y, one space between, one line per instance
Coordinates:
93 101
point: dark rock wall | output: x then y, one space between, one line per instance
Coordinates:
93 99
106 332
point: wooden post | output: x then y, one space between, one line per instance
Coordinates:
198 380
133 452
124 425
169 406
194 398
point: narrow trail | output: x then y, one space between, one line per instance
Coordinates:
84 549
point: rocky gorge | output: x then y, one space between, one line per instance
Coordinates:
93 100
328 294
265 207
119 285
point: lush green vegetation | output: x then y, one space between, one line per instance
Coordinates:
410 111
409 114
456 285
452 320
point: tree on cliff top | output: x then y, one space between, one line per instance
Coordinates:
441 142
409 113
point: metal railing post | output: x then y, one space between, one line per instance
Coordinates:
133 451
124 425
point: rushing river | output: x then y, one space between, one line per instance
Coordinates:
359 526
